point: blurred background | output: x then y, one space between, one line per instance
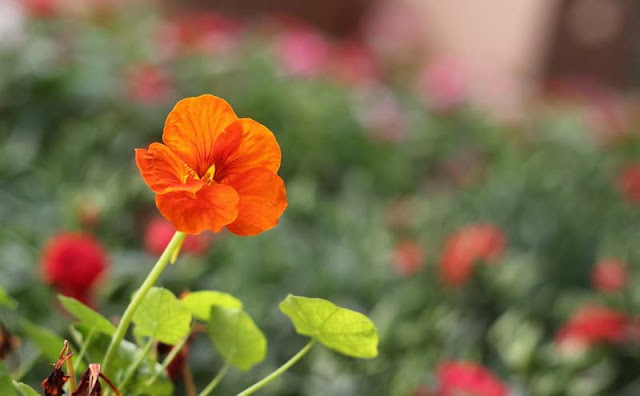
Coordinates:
466 173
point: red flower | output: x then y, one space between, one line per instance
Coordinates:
159 232
148 84
629 182
593 324
41 8
609 275
466 378
408 257
471 243
354 64
214 170
443 84
303 52
72 263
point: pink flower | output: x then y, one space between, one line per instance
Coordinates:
593 324
408 257
469 244
159 232
148 84
443 85
354 64
72 263
468 379
629 182
609 275
303 52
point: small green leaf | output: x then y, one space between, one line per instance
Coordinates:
86 315
163 317
200 302
343 330
6 300
6 385
24 389
237 337
49 343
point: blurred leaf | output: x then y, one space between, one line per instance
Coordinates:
48 342
348 332
86 315
200 302
237 337
24 389
163 317
6 300
6 385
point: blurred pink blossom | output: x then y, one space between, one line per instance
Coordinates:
443 85
609 275
303 52
592 324
147 83
458 378
354 64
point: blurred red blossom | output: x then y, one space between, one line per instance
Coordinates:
41 8
629 182
609 275
72 263
592 324
303 52
354 64
458 378
147 83
443 85
408 257
160 231
469 244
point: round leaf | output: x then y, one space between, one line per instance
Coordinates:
343 330
200 302
237 337
162 316
87 316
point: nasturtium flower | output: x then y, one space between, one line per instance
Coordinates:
214 170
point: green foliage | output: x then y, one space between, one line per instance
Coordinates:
6 385
6 300
200 303
237 337
87 316
24 389
48 342
162 316
348 332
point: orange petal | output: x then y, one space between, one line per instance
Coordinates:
211 208
192 128
262 200
163 171
256 148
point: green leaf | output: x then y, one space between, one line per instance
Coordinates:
237 337
122 360
24 389
343 330
6 385
6 300
49 343
200 302
163 317
86 315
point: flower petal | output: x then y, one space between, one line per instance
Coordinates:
211 208
262 200
163 171
192 128
256 148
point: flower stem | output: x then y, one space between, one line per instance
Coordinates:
153 276
83 350
167 361
258 385
136 363
214 382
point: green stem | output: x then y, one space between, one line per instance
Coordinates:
136 363
214 382
167 361
83 350
153 276
258 385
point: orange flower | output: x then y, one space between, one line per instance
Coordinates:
214 170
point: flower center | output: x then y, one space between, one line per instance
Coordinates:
207 178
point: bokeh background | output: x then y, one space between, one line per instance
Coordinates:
465 173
